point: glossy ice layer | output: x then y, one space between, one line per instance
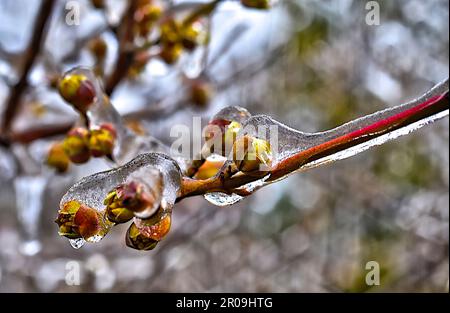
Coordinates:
92 190
295 151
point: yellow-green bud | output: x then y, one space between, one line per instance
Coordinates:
75 145
57 158
101 140
250 152
78 90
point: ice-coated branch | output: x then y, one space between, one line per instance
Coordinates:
301 151
146 188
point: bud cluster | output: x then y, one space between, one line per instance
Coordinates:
80 144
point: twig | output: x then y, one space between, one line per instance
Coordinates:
126 55
339 139
35 133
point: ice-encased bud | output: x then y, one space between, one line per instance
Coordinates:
134 197
78 221
101 140
75 145
134 239
158 172
78 90
250 153
144 234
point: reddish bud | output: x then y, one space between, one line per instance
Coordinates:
101 140
77 221
75 145
57 158
78 91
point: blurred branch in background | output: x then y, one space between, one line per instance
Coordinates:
29 56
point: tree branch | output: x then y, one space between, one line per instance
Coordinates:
126 55
338 139
37 39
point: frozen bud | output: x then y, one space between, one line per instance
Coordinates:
115 212
170 53
216 128
75 145
134 239
155 228
200 92
256 4
145 234
101 140
78 221
57 158
134 197
78 90
249 153
221 134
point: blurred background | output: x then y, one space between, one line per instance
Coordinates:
310 64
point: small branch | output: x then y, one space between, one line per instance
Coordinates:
37 39
35 133
224 181
367 128
342 138
126 55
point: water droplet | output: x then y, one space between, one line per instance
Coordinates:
77 243
94 239
250 187
222 199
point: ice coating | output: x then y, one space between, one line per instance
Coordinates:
127 144
92 190
295 151
374 142
287 142
222 199
284 140
233 113
77 243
